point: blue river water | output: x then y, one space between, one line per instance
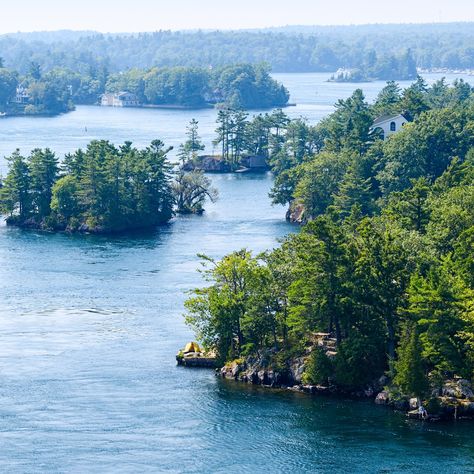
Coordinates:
89 327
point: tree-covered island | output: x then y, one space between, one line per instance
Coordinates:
241 86
400 67
375 295
59 89
102 189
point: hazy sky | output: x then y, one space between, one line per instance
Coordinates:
149 15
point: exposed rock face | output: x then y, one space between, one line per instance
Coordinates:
254 162
214 164
208 164
259 371
454 400
253 370
458 389
297 368
296 213
466 408
232 371
413 403
383 398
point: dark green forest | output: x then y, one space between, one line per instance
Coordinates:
101 189
384 263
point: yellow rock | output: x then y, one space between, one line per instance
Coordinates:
192 347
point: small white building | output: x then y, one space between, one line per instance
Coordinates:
22 96
389 124
120 99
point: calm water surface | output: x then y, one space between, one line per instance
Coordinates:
89 327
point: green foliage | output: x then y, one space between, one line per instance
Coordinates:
247 86
438 302
15 196
189 150
108 189
8 84
410 372
411 208
384 264
242 86
349 126
44 171
426 147
320 181
318 368
191 191
359 361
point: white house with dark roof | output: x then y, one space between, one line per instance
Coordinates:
389 124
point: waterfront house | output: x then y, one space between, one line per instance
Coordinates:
389 124
120 99
21 97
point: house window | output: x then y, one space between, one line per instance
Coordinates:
393 127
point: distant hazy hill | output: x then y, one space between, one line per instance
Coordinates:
375 28
381 48
49 36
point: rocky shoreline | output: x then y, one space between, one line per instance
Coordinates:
81 228
453 401
215 164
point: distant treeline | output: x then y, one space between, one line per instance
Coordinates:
284 50
55 91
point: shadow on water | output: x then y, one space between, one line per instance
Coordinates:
343 433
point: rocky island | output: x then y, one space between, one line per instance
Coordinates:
103 189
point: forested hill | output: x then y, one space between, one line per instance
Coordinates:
380 281
290 49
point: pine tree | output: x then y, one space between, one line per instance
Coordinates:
44 169
409 367
15 192
223 133
388 99
188 151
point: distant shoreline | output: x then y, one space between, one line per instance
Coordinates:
436 70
